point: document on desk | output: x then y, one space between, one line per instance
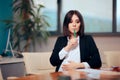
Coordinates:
92 73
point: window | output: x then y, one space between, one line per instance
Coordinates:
118 15
97 14
100 16
50 11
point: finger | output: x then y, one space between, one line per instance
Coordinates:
65 65
65 68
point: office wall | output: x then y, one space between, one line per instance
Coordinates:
108 43
103 43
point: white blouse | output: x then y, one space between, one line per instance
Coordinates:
72 55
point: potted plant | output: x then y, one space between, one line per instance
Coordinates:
28 25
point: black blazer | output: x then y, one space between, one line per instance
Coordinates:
88 51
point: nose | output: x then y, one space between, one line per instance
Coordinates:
74 25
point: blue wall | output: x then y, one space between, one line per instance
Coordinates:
5 13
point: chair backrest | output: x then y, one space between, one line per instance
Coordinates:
37 62
112 58
1 77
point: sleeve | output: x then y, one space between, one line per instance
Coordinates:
55 59
95 60
62 54
86 65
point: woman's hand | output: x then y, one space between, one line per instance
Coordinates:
71 44
72 65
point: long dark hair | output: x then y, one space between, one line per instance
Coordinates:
67 20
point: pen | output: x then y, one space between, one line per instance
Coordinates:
74 33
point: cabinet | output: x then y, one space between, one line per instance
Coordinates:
11 66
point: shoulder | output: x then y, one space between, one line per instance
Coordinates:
86 37
62 38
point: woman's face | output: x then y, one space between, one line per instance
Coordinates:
74 24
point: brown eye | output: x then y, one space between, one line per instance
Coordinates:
77 21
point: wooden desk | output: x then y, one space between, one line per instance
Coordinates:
70 75
11 66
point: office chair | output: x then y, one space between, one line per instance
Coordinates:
1 77
112 58
37 62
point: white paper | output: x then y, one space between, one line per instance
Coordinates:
92 73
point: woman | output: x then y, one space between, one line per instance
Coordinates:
75 49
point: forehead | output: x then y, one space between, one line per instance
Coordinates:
75 16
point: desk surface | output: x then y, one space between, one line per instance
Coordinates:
71 75
6 60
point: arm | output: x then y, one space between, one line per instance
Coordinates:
61 42
95 60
